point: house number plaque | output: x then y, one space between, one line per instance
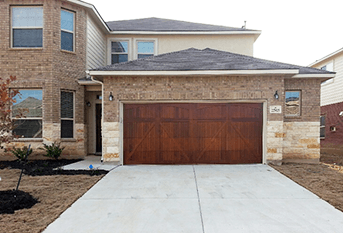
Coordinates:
275 109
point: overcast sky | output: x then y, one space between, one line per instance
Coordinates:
293 31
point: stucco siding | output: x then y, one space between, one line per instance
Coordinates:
241 44
96 45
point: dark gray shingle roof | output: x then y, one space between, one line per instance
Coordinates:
166 25
207 59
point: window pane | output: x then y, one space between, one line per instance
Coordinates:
117 58
67 41
27 16
329 67
67 105
322 132
322 120
29 103
67 20
27 38
146 47
144 55
292 103
119 47
67 129
28 128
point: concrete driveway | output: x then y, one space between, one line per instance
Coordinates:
199 198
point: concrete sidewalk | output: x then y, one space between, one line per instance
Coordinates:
95 161
200 198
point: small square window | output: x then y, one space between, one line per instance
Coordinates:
293 103
67 30
27 27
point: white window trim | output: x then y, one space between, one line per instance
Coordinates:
73 32
29 118
68 118
12 27
300 104
135 45
109 50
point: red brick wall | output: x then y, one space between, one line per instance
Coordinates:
332 118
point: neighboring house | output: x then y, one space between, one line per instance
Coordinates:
331 103
196 94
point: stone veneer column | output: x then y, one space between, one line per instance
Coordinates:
274 141
110 141
301 141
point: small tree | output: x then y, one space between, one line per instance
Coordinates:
6 101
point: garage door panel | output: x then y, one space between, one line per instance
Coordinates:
192 133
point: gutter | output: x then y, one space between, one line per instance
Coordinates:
195 72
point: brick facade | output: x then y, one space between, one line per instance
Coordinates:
280 135
333 141
48 68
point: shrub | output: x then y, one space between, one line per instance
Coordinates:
53 151
20 153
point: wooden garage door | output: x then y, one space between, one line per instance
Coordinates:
181 133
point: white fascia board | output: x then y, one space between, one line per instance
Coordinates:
93 9
85 83
314 76
186 32
193 72
326 57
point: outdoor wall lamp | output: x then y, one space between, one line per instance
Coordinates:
88 104
276 95
110 97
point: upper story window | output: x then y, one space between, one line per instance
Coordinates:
67 30
28 107
27 27
145 49
328 67
119 51
293 103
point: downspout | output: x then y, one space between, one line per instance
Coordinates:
102 112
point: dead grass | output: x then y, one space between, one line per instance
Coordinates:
55 195
324 179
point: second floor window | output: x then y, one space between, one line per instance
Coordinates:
67 30
119 51
145 49
27 27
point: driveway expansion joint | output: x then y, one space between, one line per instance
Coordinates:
196 185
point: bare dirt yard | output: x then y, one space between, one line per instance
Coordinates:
55 193
324 179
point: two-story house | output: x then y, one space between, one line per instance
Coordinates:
331 102
154 90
